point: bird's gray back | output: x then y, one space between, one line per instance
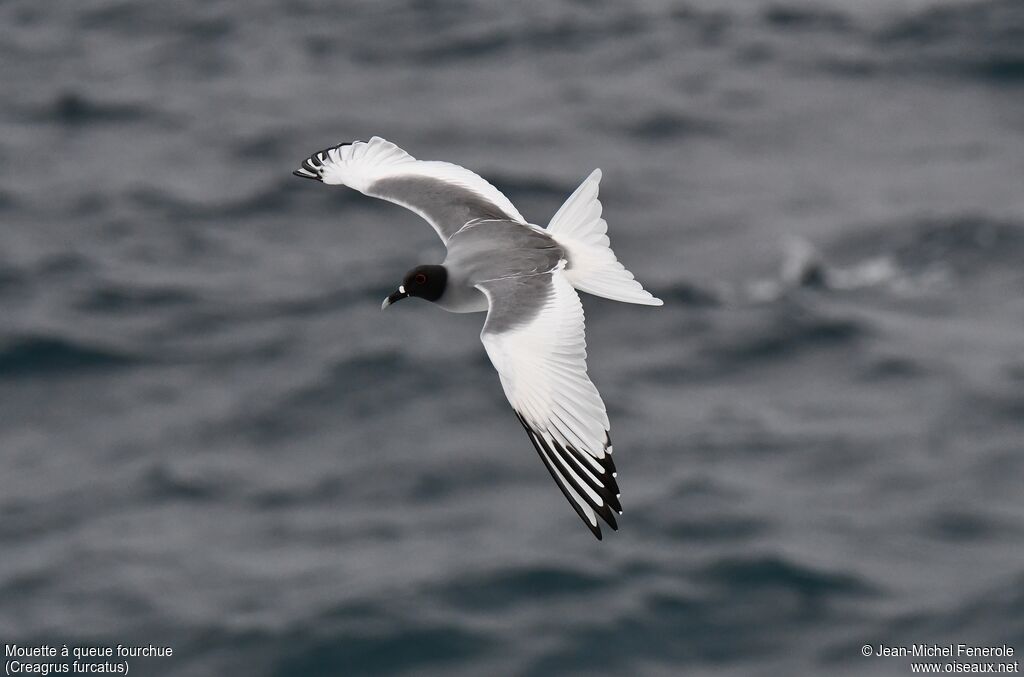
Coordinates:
495 249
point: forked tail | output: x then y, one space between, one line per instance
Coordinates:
593 268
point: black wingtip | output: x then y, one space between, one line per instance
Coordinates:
608 493
313 166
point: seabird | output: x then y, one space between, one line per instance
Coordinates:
526 278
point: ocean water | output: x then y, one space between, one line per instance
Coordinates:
212 439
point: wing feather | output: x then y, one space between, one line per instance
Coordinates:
447 196
535 337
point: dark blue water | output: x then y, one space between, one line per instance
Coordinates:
211 437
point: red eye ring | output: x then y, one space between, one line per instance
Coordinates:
420 278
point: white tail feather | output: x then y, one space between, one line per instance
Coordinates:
578 227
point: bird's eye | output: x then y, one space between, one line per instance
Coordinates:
420 278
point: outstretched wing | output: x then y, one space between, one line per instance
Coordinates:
534 335
446 195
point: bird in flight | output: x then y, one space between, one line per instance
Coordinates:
525 277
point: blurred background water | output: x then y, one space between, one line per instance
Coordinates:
212 438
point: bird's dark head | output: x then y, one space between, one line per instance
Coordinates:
426 282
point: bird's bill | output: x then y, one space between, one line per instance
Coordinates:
399 294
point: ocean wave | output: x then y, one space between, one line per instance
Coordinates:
744 336
978 41
885 367
793 17
486 37
41 355
665 124
981 40
718 621
7 200
991 617
72 108
530 186
10 278
717 528
125 298
688 294
698 509
968 245
664 627
503 588
371 646
997 402
204 24
276 196
787 329
964 526
771 572
914 256
347 387
163 481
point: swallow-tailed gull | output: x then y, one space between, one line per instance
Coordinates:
526 278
